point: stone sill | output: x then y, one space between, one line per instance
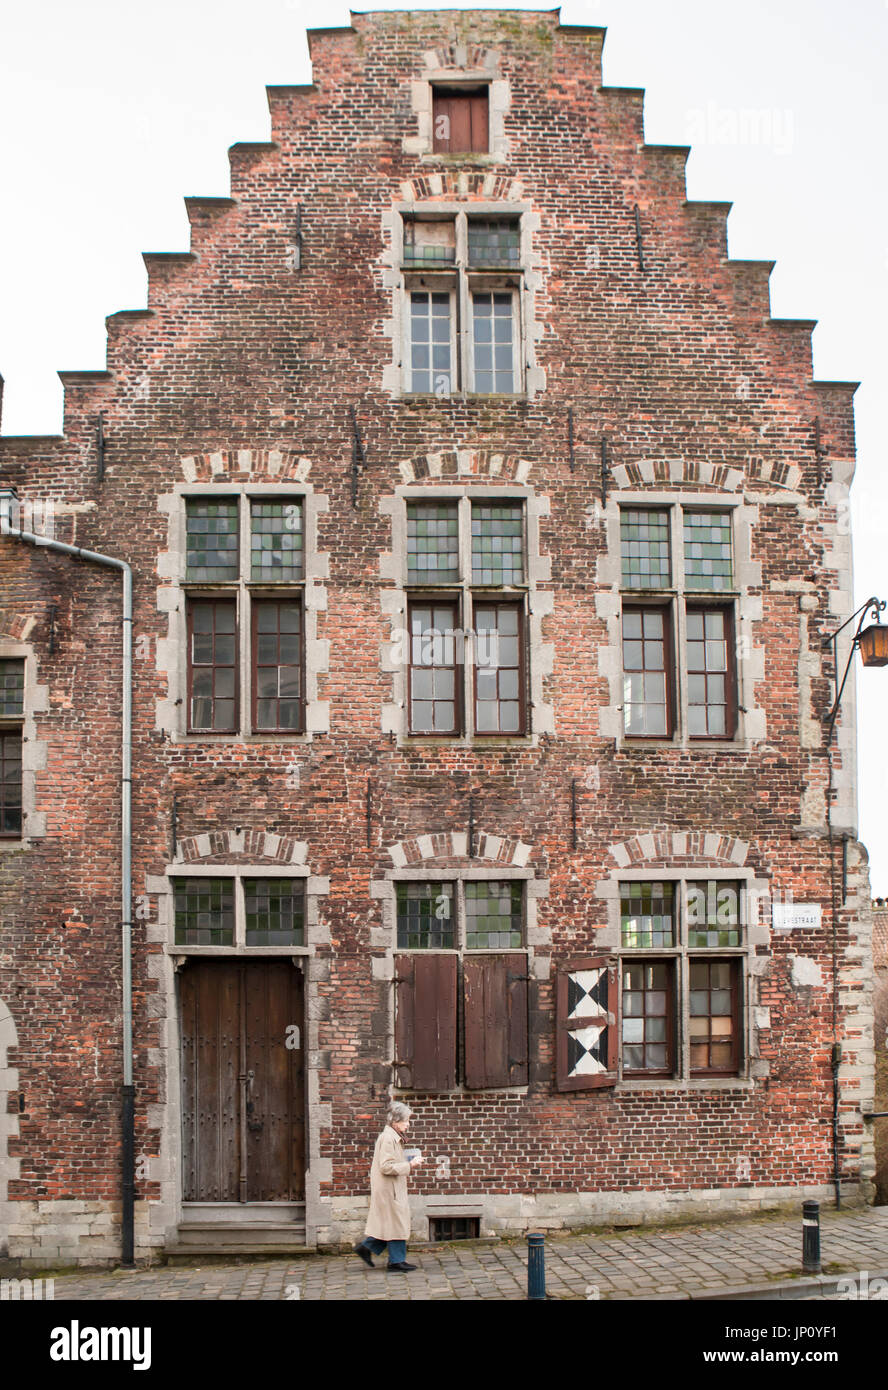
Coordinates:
465 160
465 397
715 1083
703 745
459 1091
236 739
171 950
479 744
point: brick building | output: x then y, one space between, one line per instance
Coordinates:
484 532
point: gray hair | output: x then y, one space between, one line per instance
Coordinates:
397 1112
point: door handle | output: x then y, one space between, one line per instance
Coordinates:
253 1125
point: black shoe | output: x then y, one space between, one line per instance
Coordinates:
365 1255
402 1268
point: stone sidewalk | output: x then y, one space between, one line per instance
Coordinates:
700 1261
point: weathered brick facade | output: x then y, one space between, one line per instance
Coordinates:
289 310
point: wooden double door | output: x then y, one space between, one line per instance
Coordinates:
243 1081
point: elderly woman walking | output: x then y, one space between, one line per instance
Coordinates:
389 1221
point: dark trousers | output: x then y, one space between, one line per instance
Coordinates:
397 1248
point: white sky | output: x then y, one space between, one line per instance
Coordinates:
111 112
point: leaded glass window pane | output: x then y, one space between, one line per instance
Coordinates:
644 548
204 911
646 658
277 658
713 913
494 242
275 911
707 550
12 688
708 673
492 346
434 662
11 782
493 914
430 342
426 916
498 639
276 541
429 243
432 543
211 543
497 543
647 1016
212 665
713 1023
647 914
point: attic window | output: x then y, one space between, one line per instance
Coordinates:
461 120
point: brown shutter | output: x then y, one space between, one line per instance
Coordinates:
479 122
587 1024
442 133
467 122
425 1021
495 998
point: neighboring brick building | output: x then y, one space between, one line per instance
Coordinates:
485 531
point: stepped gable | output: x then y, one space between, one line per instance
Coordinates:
276 174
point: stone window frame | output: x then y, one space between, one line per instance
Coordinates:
523 281
458 873
173 713
751 1017
315 888
459 881
746 608
460 280
499 98
166 1114
34 750
539 714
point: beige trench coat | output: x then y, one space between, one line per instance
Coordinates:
389 1217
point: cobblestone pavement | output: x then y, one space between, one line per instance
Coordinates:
670 1262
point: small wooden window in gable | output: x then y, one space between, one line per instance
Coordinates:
495 1001
461 120
425 1022
586 1022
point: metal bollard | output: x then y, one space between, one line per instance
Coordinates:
811 1237
536 1265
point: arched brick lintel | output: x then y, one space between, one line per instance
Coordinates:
465 463
15 626
227 463
240 844
721 476
449 844
665 846
488 186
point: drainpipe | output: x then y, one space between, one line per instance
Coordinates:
7 498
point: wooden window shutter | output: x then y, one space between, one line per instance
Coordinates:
587 1024
425 1021
460 122
495 999
479 122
